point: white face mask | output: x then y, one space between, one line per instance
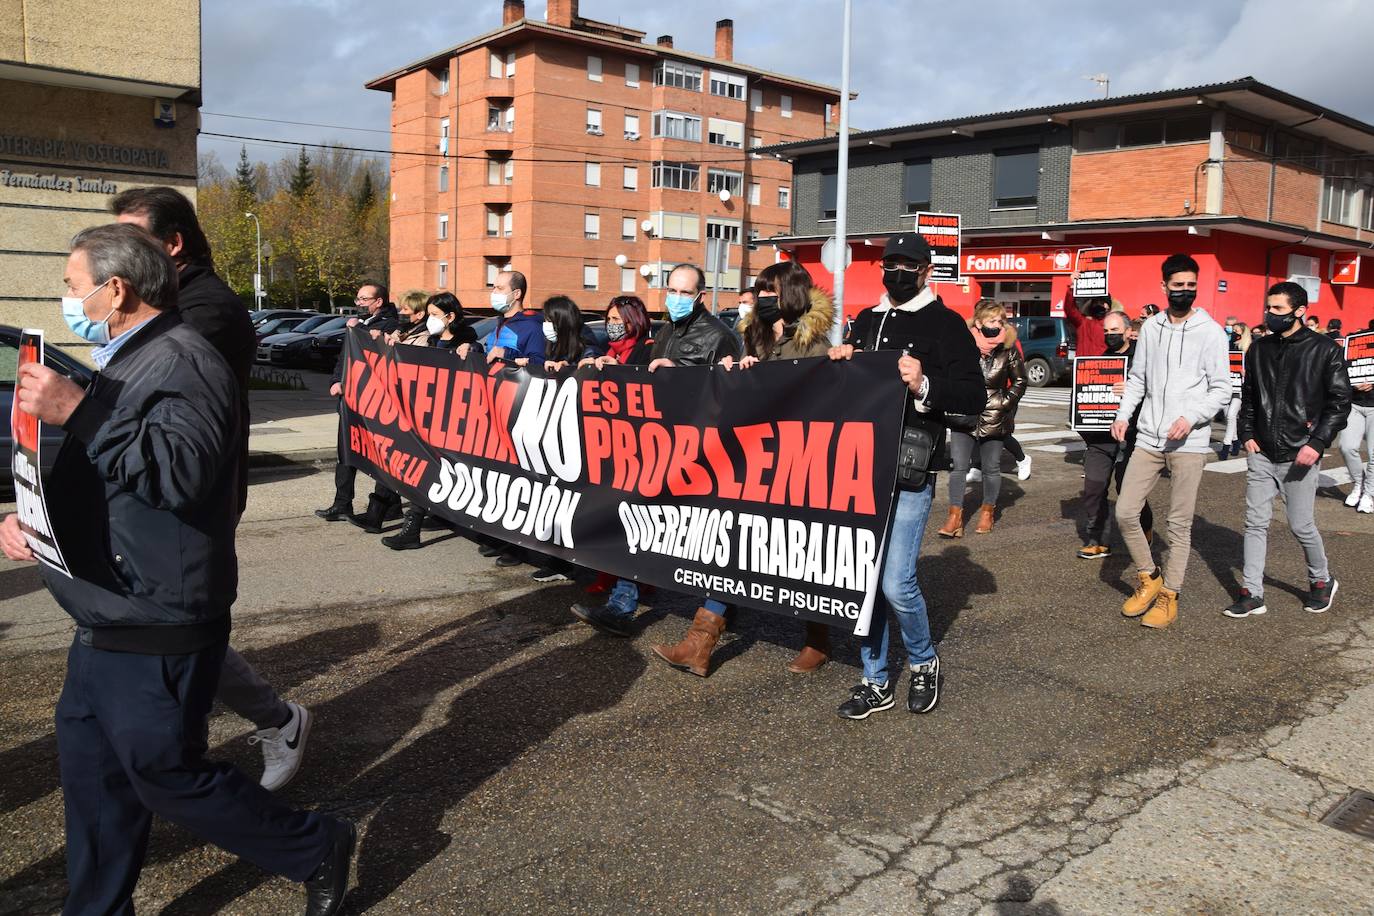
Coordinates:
550 334
744 309
499 302
435 325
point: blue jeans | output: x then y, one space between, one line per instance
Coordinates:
624 598
901 591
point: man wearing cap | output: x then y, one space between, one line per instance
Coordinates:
940 368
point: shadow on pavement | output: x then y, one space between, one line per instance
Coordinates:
1016 900
18 581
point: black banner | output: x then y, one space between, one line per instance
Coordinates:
769 487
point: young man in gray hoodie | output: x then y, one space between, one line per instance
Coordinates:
1179 380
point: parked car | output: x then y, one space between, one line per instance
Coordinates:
324 347
291 348
1049 345
281 324
262 315
9 366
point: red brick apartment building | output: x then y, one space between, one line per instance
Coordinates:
550 145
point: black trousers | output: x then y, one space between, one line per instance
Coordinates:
131 739
345 475
1100 467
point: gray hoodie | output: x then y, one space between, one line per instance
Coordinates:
1180 370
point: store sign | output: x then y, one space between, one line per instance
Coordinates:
53 182
1345 268
1018 261
941 231
83 152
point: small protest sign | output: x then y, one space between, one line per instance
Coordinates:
1090 272
1095 400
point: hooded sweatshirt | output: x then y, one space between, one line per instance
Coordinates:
1180 370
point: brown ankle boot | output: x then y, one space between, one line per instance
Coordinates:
954 525
694 652
815 653
985 515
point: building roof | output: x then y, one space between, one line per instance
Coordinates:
1246 95
502 36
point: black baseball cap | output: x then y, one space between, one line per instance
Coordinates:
909 245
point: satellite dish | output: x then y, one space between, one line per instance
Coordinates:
647 225
620 260
645 270
725 195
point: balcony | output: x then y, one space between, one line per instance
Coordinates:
499 87
496 194
496 246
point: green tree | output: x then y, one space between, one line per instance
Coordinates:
246 177
365 198
303 178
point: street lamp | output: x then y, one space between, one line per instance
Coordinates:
257 277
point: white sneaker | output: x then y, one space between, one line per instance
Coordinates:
1353 499
283 748
1367 503
1023 469
974 475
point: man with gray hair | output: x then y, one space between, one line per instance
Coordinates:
143 500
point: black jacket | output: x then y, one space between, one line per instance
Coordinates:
215 311
143 496
1296 392
700 339
385 319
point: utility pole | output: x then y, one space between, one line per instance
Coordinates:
842 188
257 277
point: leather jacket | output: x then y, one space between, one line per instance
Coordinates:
1004 377
700 339
1296 392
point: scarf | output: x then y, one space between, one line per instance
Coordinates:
621 348
987 344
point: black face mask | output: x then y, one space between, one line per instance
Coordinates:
1181 300
990 332
766 309
901 285
1279 324
1097 310
1115 341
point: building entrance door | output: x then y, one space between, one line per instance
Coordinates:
1023 297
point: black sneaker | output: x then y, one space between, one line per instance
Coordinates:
548 574
336 512
924 691
1318 601
866 699
1246 605
491 550
507 560
605 620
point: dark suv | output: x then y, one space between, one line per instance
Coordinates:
1049 345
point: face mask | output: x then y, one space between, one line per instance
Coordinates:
1115 341
744 309
1279 324
1181 300
901 285
499 302
766 307
615 330
990 332
97 332
550 333
435 325
679 305
1097 310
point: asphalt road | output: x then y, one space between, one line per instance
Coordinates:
500 756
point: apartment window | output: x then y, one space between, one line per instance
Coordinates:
1244 134
631 180
916 186
594 121
589 276
721 229
829 112
627 279
593 68
627 228
1347 191
755 141
501 117
631 126
1016 177
494 215
510 64
675 125
443 81
508 223
755 193
495 65
443 226
1186 128
591 225
718 180
443 136
1298 150
632 75
443 275
728 85
725 133
500 170
785 198
829 187
678 176
443 178
594 174
786 105
682 76
493 272
756 100
679 226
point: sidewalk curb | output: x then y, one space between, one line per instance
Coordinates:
262 464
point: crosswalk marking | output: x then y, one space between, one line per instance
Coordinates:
1043 437
1047 397
1063 448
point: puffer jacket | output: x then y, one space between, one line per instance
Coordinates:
1296 392
1004 377
809 335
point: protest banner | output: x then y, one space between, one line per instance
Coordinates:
769 488
1359 357
1237 371
26 465
1095 402
941 231
1090 272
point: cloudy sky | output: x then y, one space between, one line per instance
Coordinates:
307 60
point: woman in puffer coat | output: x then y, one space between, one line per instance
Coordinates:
791 320
1004 376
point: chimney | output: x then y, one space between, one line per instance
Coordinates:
665 41
561 12
725 39
512 11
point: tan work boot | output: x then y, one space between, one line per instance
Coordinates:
985 517
1163 612
1145 591
815 653
954 525
694 652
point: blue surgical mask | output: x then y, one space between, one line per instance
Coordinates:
500 302
679 305
97 332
